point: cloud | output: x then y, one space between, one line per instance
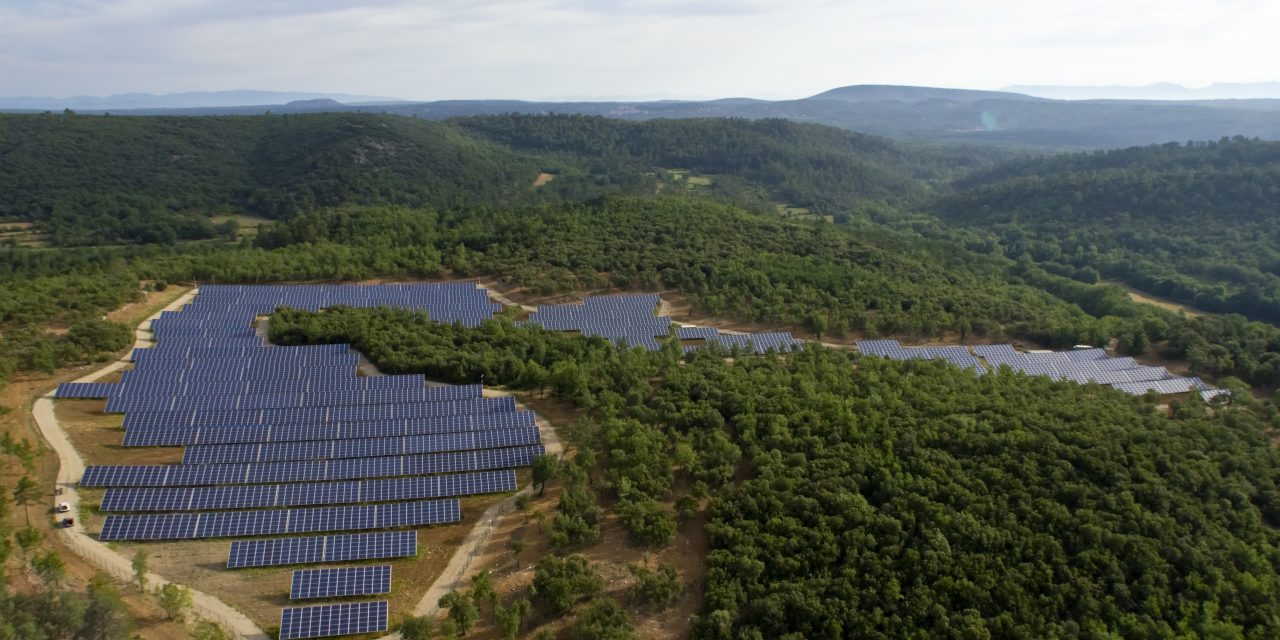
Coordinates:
536 49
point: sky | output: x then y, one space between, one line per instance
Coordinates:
624 49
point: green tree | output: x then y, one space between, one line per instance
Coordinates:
106 617
416 628
545 467
558 583
602 619
50 568
508 618
462 610
174 599
659 586
25 492
448 629
205 630
482 591
140 569
28 537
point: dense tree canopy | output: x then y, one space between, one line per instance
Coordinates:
1195 223
890 499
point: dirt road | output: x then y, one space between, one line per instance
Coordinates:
71 469
459 567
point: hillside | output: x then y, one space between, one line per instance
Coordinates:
992 118
103 180
900 93
822 168
94 180
1195 223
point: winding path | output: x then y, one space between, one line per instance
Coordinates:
71 469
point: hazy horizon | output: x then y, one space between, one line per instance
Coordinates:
651 49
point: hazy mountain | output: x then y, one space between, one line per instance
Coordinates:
188 100
912 113
902 93
1158 91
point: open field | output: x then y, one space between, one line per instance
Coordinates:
248 224
1163 303
22 234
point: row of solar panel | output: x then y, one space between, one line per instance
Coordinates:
311 550
154 385
179 475
87 390
233 368
231 377
1078 365
287 400
333 620
229 434
286 415
302 400
257 496
264 357
233 524
306 385
233 351
215 341
174 333
309 584
358 448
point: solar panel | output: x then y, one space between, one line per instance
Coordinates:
337 548
333 620
142 499
338 583
226 524
309 470
1082 366
235 434
358 448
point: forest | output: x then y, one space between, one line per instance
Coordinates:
1194 223
886 499
940 503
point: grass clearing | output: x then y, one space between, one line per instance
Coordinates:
248 224
1163 303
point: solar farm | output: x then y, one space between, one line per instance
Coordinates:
1077 365
289 458
630 320
291 453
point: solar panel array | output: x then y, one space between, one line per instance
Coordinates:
1077 365
234 524
359 447
118 499
232 434
180 475
85 390
333 620
630 320
336 548
339 583
288 440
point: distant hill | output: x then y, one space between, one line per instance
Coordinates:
189 100
906 113
901 93
94 180
1158 91
88 179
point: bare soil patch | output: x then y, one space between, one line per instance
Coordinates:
1163 303
543 178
